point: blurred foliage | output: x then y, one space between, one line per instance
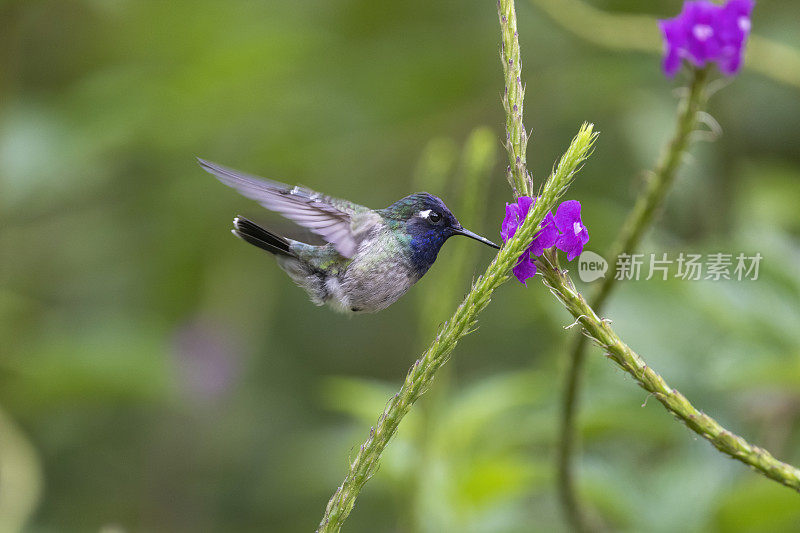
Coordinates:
158 375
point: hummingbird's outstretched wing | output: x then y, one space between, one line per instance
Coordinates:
341 223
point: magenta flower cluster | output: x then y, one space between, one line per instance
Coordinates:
707 33
565 231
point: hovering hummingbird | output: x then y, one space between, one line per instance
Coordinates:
372 257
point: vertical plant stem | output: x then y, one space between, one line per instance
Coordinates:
647 206
600 332
513 96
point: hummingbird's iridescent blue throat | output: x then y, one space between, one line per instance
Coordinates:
372 257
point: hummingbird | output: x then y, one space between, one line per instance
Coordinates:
370 258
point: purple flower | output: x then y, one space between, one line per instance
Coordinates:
574 234
525 268
565 231
545 237
515 214
707 33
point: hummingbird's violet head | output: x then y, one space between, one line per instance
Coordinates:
428 224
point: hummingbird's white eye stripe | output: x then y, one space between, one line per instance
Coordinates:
425 214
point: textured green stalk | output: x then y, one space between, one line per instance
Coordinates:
469 186
601 334
513 96
365 462
638 32
647 206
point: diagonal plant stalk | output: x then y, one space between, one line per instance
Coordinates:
478 159
600 333
646 208
464 321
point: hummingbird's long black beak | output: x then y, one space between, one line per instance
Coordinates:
471 235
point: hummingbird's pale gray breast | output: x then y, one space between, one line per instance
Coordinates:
379 273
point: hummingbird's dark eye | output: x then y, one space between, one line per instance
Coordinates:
434 217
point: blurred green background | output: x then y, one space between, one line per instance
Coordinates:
158 375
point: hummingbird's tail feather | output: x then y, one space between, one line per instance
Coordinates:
251 232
